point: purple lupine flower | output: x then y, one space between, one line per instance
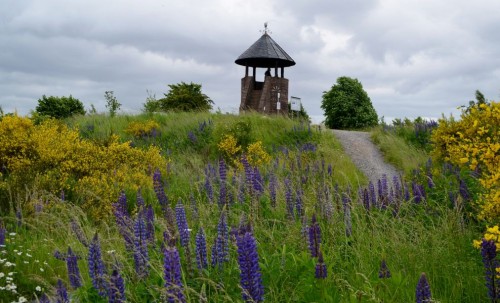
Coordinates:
250 276
314 237
80 235
366 199
182 225
62 293
321 270
428 168
423 291
140 200
406 192
62 195
289 198
384 271
43 299
3 231
346 202
463 190
241 190
209 189
397 187
490 262
75 280
201 249
116 288
220 249
159 190
124 222
141 256
96 266
257 181
172 275
171 221
150 223
373 196
298 203
192 137
417 192
222 178
249 173
330 170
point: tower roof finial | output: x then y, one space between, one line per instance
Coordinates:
266 30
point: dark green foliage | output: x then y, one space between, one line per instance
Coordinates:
480 99
59 107
152 104
416 133
347 105
112 103
185 97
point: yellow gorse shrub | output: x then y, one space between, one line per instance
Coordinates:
475 141
54 157
491 234
140 129
255 152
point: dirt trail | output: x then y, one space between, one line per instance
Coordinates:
365 154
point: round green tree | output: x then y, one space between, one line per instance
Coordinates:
347 105
185 97
59 107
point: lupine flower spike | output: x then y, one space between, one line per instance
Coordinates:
314 237
423 293
321 270
201 249
172 275
384 271
250 276
62 293
75 280
116 288
96 266
489 254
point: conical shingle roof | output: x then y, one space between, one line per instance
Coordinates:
265 52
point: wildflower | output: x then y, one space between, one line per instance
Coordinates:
80 235
150 227
141 257
38 288
330 170
158 188
62 293
314 237
220 249
43 299
22 299
257 181
182 225
75 279
288 198
463 190
96 266
172 275
250 276
489 254
298 203
209 189
3 231
201 249
423 292
123 221
140 200
321 270
116 288
384 271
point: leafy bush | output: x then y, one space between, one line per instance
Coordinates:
347 105
112 103
53 158
474 142
59 107
185 97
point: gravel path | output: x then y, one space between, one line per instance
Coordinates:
365 154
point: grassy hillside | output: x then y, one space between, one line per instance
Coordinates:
234 190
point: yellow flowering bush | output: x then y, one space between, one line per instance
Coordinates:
142 129
231 151
256 155
474 141
491 234
53 157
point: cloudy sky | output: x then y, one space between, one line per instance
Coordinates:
413 57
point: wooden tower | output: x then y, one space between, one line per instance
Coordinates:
271 95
